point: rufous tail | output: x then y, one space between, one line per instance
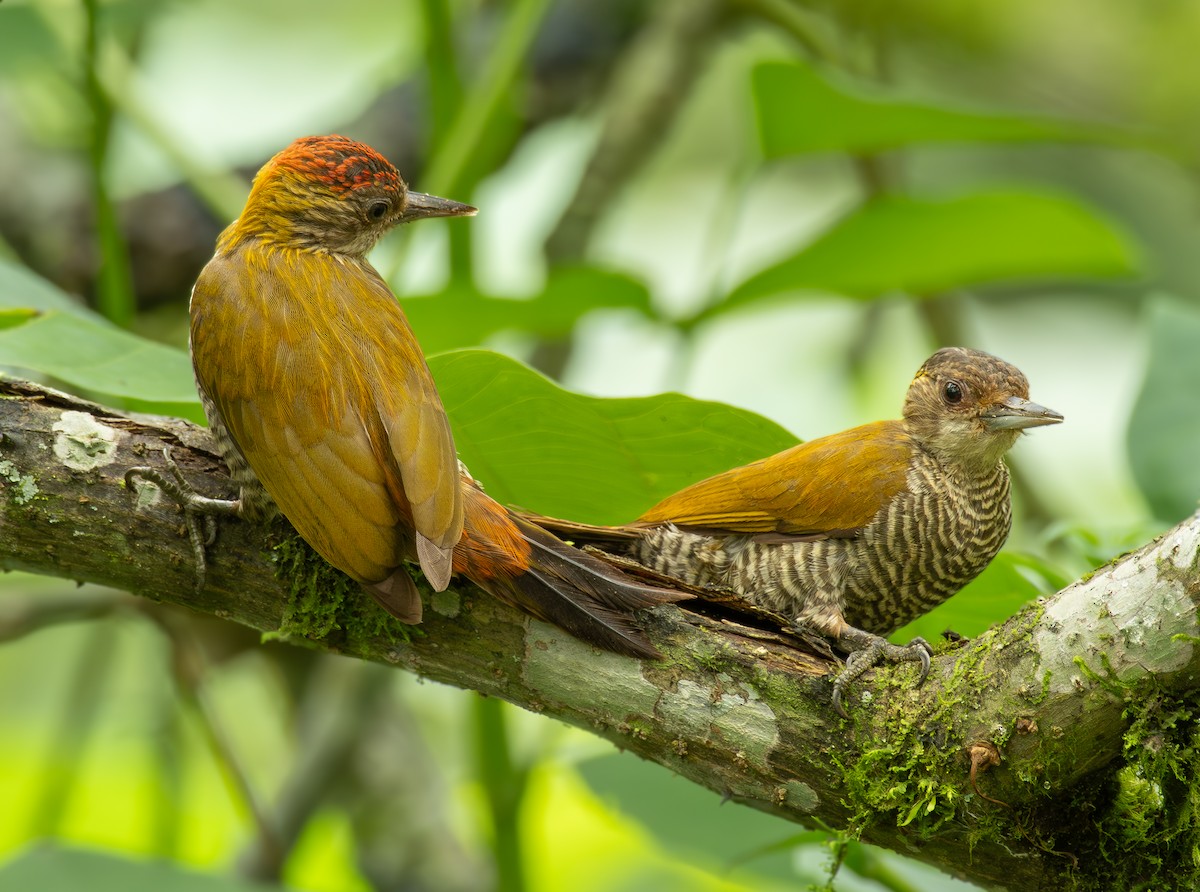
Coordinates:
522 564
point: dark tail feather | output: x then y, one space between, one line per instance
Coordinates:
583 533
397 595
582 594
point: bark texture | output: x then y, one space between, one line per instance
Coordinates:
1056 751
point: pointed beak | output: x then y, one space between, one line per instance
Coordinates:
1014 413
421 206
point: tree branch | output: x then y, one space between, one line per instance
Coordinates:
1052 692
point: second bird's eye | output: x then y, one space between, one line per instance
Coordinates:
953 391
377 210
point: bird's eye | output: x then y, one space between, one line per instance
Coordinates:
377 210
953 392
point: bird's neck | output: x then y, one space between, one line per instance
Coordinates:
965 447
282 213
254 229
972 468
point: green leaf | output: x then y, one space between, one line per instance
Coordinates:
43 330
27 43
596 460
695 822
105 361
53 869
14 316
801 111
1010 582
462 317
22 289
929 246
1164 429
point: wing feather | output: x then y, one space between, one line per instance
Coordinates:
339 419
829 486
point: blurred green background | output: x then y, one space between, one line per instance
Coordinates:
777 205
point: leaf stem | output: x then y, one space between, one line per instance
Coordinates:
114 280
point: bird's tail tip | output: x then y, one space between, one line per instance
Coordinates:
585 595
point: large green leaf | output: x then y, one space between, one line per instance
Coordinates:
22 289
597 460
67 341
102 360
1164 430
801 111
926 246
52 869
462 317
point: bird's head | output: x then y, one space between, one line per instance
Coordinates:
330 193
969 407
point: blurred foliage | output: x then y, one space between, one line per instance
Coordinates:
923 247
730 839
860 181
65 870
463 317
1164 430
856 119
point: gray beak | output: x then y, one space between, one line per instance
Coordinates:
1015 413
421 206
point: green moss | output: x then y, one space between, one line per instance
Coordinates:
1187 578
912 772
1137 827
720 657
1045 688
1148 814
715 657
781 695
324 604
1137 804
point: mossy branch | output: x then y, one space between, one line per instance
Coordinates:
1088 698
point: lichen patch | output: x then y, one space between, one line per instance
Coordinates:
802 797
734 713
148 495
1127 614
83 443
22 488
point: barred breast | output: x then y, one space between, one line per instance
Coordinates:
928 542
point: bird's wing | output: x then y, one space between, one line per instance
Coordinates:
830 486
315 372
418 439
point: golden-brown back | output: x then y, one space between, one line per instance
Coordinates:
327 411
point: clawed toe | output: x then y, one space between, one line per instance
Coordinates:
175 486
198 510
867 651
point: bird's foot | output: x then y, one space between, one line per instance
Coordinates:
866 651
199 512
